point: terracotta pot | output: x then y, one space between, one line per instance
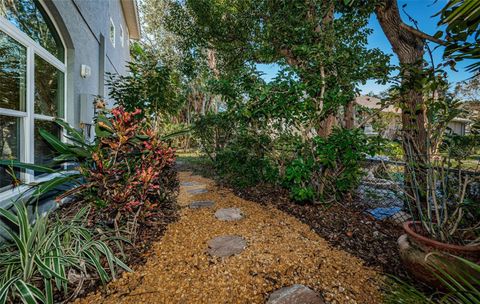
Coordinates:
470 252
414 247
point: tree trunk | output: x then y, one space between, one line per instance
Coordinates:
324 121
326 126
409 47
348 117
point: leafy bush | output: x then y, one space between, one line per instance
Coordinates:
128 169
246 152
460 147
340 157
150 85
297 179
332 170
213 131
45 255
238 153
392 149
244 161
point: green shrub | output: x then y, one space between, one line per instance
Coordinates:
42 255
246 152
149 85
392 149
297 179
332 170
340 157
244 161
214 131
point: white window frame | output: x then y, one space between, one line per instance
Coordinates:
28 117
111 35
122 36
128 38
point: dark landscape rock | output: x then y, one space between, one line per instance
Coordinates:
229 214
197 191
190 184
226 245
295 294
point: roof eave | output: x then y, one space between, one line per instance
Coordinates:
130 12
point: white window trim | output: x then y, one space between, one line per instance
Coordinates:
122 36
28 116
7 198
110 35
128 37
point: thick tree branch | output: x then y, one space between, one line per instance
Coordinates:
421 34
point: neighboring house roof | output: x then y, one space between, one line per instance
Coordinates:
130 11
375 103
460 119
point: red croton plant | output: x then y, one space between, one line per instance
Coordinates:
131 169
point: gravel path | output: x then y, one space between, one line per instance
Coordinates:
280 251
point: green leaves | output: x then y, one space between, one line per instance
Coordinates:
56 143
20 165
48 250
464 9
460 276
462 18
150 86
29 293
5 288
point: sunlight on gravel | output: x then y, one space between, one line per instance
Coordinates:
280 251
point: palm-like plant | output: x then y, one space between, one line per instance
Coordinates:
462 18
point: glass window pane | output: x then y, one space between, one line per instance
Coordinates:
9 147
29 17
49 94
13 73
44 153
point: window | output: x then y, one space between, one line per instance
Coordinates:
122 36
112 32
30 18
32 80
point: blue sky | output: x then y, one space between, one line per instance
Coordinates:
420 10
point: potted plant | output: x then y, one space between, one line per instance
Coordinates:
446 220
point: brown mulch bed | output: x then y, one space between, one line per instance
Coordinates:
280 251
344 226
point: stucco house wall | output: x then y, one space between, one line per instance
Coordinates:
84 27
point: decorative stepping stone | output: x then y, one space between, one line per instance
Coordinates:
201 204
295 294
190 184
226 245
229 214
197 191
